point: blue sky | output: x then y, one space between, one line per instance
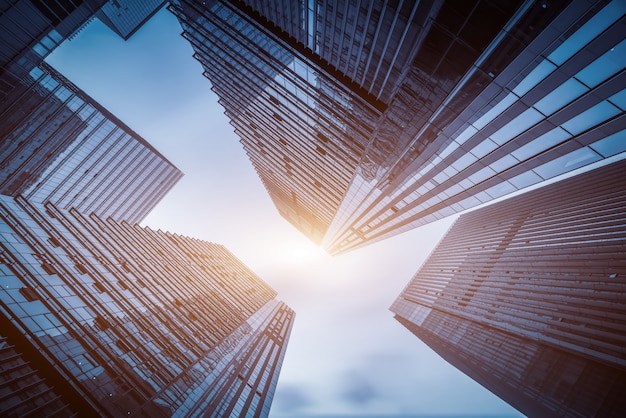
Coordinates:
347 355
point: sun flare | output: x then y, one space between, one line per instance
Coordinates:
299 253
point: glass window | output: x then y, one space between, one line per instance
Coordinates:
483 148
518 125
495 111
465 161
465 135
540 144
500 189
591 117
619 99
503 163
611 145
525 179
605 18
571 161
481 175
560 96
540 72
604 67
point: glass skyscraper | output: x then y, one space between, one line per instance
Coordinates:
527 297
106 318
61 146
31 29
99 316
125 17
366 119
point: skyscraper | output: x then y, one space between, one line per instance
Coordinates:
48 125
61 146
105 318
31 29
125 17
366 119
527 297
99 316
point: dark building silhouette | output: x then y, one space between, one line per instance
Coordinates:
31 29
99 316
528 297
366 119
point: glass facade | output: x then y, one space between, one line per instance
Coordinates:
534 119
136 321
59 145
125 17
366 119
526 296
280 94
31 29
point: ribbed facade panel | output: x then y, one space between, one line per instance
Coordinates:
370 43
527 296
532 106
99 316
17 371
283 110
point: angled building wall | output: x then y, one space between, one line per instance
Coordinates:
527 297
279 94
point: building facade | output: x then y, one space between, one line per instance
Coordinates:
366 119
128 320
31 29
48 125
528 297
125 17
60 146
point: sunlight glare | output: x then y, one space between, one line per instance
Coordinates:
301 252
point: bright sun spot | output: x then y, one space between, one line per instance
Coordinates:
300 253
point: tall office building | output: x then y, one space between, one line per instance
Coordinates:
60 146
31 29
125 17
366 119
48 125
528 297
105 318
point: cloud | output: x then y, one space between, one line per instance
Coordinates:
357 390
291 398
